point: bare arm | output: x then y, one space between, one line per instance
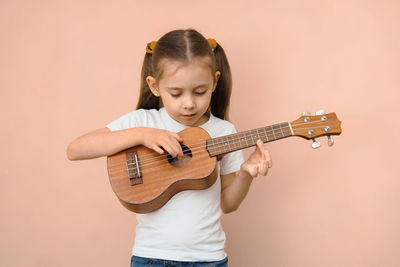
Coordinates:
104 142
235 186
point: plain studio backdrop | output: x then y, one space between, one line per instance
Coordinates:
69 67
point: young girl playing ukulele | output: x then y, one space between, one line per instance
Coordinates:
186 81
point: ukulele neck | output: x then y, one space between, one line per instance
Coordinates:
229 143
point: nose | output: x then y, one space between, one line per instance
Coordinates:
189 102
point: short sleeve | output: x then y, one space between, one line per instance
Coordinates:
129 120
231 162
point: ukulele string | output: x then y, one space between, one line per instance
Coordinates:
195 150
246 135
239 138
304 123
233 141
163 163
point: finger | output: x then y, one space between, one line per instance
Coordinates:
255 171
157 149
177 147
177 137
263 168
260 143
268 158
263 150
167 147
257 150
260 146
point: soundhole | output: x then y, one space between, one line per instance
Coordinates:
187 156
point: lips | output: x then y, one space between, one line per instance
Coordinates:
189 116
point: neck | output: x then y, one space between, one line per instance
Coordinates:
229 143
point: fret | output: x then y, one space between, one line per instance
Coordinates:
280 125
265 134
236 143
241 140
245 137
275 130
219 144
218 147
211 146
270 133
256 136
280 131
249 139
280 128
230 142
261 135
224 143
286 130
253 137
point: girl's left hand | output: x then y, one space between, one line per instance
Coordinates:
258 162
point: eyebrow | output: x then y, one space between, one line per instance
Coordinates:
178 88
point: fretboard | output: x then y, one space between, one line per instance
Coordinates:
229 143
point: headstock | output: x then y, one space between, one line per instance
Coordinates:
321 124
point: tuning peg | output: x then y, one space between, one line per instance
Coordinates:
315 144
331 142
305 113
320 112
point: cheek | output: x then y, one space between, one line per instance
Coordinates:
206 99
209 95
168 101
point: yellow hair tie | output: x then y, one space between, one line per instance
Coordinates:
212 43
150 46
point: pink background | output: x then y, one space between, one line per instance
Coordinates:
69 67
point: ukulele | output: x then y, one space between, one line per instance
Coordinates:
145 180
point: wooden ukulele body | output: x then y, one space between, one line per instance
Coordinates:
161 176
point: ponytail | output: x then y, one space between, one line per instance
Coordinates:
221 96
146 98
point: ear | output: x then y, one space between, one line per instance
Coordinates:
217 75
152 83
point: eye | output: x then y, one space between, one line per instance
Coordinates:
175 95
200 92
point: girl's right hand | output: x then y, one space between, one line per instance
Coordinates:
163 140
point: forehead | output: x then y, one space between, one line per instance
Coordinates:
178 72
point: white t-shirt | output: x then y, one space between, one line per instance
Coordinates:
187 227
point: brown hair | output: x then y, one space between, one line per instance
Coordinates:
184 45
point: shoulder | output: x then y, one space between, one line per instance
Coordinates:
221 127
135 118
143 113
226 125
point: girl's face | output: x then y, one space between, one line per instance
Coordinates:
185 89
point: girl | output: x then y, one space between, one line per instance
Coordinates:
186 81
